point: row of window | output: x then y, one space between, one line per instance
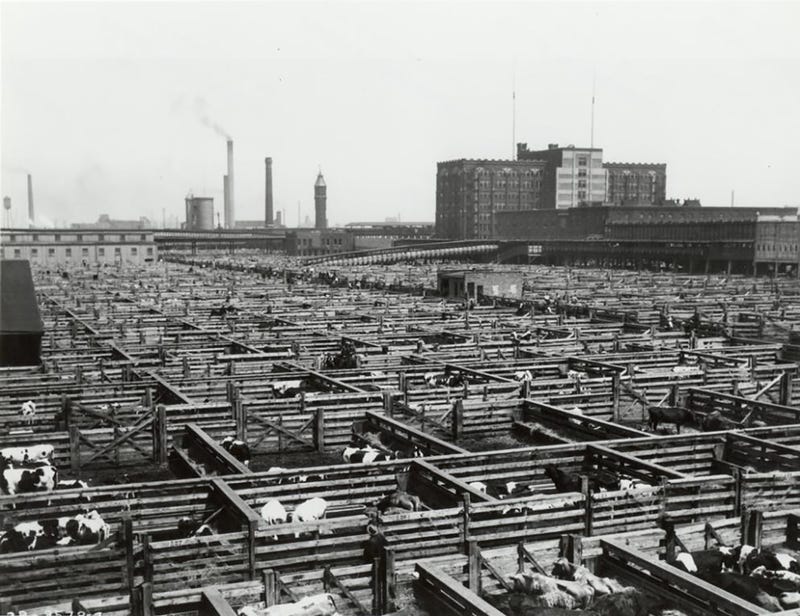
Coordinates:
777 247
101 237
101 252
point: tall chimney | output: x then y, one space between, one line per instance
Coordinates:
230 216
226 199
31 217
268 220
320 203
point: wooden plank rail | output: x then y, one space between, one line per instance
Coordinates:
536 410
632 465
451 596
703 595
197 440
447 481
429 444
212 603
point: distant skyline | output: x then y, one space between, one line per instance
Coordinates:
120 107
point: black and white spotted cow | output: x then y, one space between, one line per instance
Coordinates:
238 449
33 454
42 478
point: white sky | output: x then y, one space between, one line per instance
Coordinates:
102 101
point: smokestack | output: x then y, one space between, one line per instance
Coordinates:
230 216
226 199
31 217
268 220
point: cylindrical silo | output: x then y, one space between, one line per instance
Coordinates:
200 213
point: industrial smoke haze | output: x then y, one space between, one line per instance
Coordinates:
201 109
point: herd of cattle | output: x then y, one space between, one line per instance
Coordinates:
767 577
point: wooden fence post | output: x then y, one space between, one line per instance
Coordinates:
786 388
474 566
145 599
792 534
75 449
465 499
388 403
319 430
587 497
147 558
271 588
389 582
458 419
615 385
752 522
240 417
126 538
160 436
571 548
376 586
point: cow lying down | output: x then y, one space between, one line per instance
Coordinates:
322 604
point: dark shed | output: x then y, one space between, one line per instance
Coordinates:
21 326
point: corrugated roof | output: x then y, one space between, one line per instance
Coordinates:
19 311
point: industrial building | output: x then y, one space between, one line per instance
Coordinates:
474 283
21 327
318 242
199 213
57 247
471 193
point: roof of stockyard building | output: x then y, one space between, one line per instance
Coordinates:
19 310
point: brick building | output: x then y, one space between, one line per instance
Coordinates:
635 183
471 194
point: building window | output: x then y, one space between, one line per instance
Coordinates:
34 237
51 252
11 237
117 250
150 251
34 252
143 237
68 252
581 161
581 173
57 237
582 183
134 250
121 238
100 237
581 194
101 251
16 253
84 252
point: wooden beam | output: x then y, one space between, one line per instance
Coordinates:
199 438
412 435
634 462
212 603
671 577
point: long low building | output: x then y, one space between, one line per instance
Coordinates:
75 247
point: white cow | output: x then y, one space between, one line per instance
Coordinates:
29 411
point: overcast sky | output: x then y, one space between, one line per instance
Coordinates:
103 102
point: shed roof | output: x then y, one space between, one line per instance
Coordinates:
19 310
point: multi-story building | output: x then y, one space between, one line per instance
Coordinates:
635 183
76 247
572 176
318 242
470 192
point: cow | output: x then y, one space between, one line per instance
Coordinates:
288 389
315 605
24 480
308 511
28 411
238 449
715 421
401 500
703 562
84 529
745 587
501 489
523 376
27 536
669 414
273 512
27 455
